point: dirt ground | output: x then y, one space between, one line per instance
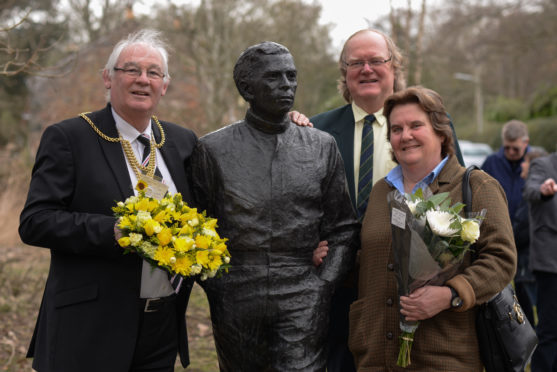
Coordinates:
23 272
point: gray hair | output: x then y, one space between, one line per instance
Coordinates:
514 130
147 37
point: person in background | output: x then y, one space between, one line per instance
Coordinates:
540 191
524 280
505 164
420 135
103 310
277 190
371 69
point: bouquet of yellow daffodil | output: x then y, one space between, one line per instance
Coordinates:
171 235
430 239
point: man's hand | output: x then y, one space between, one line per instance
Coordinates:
299 119
425 302
320 253
117 231
548 187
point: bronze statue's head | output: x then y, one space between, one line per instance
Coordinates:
265 76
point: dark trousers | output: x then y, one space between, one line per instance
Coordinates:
157 342
340 358
545 356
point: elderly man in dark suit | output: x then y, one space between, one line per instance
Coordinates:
539 191
102 310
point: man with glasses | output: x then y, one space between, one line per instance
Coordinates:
103 310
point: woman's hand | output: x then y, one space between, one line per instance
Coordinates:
425 302
320 253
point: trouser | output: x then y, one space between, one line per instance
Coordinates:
270 318
545 356
157 341
340 358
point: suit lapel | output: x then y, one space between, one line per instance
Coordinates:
343 131
113 154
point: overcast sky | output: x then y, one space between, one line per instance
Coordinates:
345 16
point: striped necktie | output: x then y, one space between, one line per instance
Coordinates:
146 141
365 180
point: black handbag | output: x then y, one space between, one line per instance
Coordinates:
506 339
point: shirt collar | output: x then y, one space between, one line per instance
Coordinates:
360 114
126 130
265 126
395 179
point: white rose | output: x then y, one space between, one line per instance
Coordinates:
470 231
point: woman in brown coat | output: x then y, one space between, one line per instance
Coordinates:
420 136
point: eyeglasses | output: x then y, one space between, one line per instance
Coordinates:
359 64
136 72
512 148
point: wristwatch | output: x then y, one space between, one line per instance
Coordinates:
456 301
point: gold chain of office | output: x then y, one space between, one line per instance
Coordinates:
149 170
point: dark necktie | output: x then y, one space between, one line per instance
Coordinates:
365 180
146 141
175 280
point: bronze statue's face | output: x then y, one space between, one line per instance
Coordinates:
272 88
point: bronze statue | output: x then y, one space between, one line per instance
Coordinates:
277 190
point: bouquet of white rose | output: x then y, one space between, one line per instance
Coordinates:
171 235
430 239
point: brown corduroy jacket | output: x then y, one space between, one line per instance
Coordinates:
447 341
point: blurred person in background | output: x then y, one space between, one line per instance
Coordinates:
524 280
540 191
505 164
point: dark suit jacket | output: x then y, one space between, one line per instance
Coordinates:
543 215
89 316
340 124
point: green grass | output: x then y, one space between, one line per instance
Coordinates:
23 272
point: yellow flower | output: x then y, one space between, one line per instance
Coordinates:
148 249
202 241
190 217
470 231
165 235
214 262
202 258
182 265
135 239
163 255
220 248
186 230
161 217
125 223
141 185
183 244
210 224
143 216
151 227
124 241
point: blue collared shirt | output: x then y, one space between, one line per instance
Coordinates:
395 179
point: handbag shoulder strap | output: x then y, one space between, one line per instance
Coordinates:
467 195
